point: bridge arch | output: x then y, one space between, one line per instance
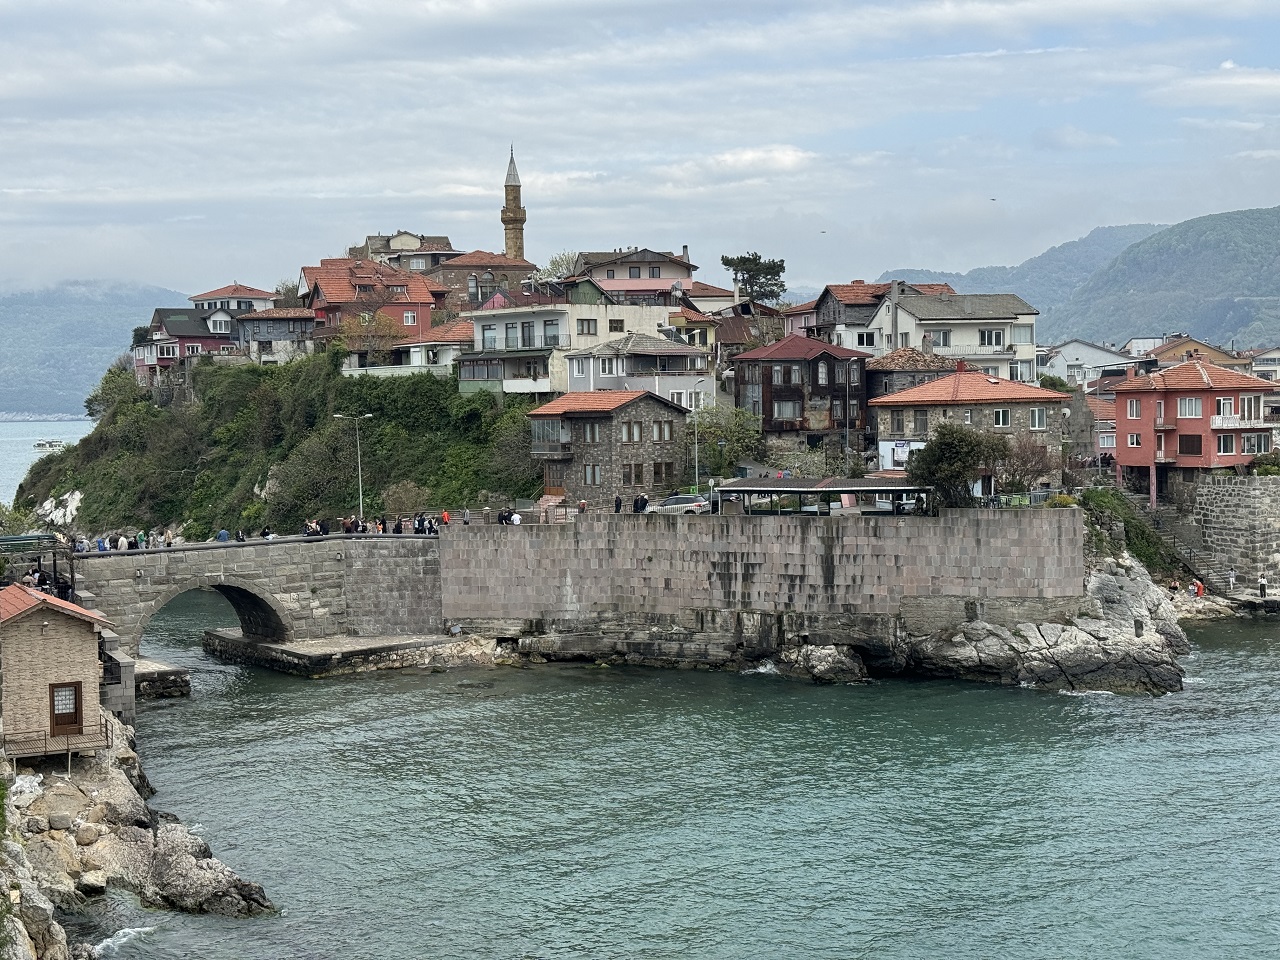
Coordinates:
261 615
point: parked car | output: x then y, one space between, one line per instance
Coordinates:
682 503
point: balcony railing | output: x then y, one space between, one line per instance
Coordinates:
549 342
39 743
1236 422
977 350
1162 424
548 449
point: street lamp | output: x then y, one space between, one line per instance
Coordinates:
698 399
848 379
359 464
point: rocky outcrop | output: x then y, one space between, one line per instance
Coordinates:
1128 641
82 835
822 664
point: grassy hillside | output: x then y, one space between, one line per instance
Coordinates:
1215 277
261 446
1048 280
57 341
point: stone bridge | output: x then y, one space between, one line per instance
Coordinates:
294 588
629 580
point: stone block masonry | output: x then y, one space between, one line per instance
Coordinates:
1239 520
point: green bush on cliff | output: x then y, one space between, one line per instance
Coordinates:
1103 507
260 446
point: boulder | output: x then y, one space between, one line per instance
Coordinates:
60 821
185 875
822 664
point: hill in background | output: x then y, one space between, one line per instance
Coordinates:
1046 281
57 341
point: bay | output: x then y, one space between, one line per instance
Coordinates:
17 447
574 812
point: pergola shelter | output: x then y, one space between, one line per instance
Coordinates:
858 495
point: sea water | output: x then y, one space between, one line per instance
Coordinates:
18 452
565 811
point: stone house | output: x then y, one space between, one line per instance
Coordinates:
50 661
638 361
474 277
904 368
904 421
805 391
606 443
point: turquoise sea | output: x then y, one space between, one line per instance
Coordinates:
604 813
18 452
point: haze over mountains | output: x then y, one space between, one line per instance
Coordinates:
58 341
1215 277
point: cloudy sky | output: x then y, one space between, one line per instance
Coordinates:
188 143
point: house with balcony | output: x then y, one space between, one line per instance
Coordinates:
1176 423
523 350
638 361
177 336
274 335
343 287
234 297
434 350
805 390
905 420
1082 362
638 275
1266 363
605 443
846 314
413 252
473 277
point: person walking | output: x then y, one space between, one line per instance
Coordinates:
617 504
1231 579
466 516
444 518
1262 586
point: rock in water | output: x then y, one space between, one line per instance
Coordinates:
824 664
184 874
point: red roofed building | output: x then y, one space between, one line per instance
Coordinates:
904 421
344 287
234 296
805 390
474 277
604 443
1176 422
433 350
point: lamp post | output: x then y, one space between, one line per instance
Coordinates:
848 377
359 463
698 396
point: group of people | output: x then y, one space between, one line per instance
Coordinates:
142 540
1196 587
508 517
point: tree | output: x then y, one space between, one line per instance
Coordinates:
1024 463
738 428
558 267
953 460
287 294
1050 382
118 385
373 332
760 280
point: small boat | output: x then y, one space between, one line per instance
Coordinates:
49 444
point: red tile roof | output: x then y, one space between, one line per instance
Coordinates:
483 258
1193 375
860 292
1101 409
801 308
795 346
693 316
338 278
15 600
234 290
1182 345
459 331
591 401
969 386
700 289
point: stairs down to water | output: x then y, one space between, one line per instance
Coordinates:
1185 540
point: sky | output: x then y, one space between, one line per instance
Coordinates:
190 143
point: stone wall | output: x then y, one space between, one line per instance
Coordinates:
1239 521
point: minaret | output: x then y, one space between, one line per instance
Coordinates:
512 213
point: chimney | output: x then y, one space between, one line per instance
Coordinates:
684 253
926 344
961 366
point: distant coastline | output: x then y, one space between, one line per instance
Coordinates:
10 416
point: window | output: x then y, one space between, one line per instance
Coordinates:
795 380
655 273
942 338
606 366
920 422
222 326
579 366
786 409
591 474
1020 371
1226 443
1134 410
1106 441
676 396
1038 419
398 289
488 336
586 327
664 475
473 287
991 338
591 432
632 431
904 339
633 474
822 373
777 375
1159 411
65 708
867 338
417 263
1135 439
1224 406
1255 443
662 430
1000 418
410 318
840 371
968 416
1251 407
193 349
633 273
608 274
1189 444
1023 333
837 410
617 326
897 422
1189 407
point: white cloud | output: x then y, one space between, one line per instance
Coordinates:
1068 137
1219 123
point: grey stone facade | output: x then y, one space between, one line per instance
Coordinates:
981 417
1239 521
